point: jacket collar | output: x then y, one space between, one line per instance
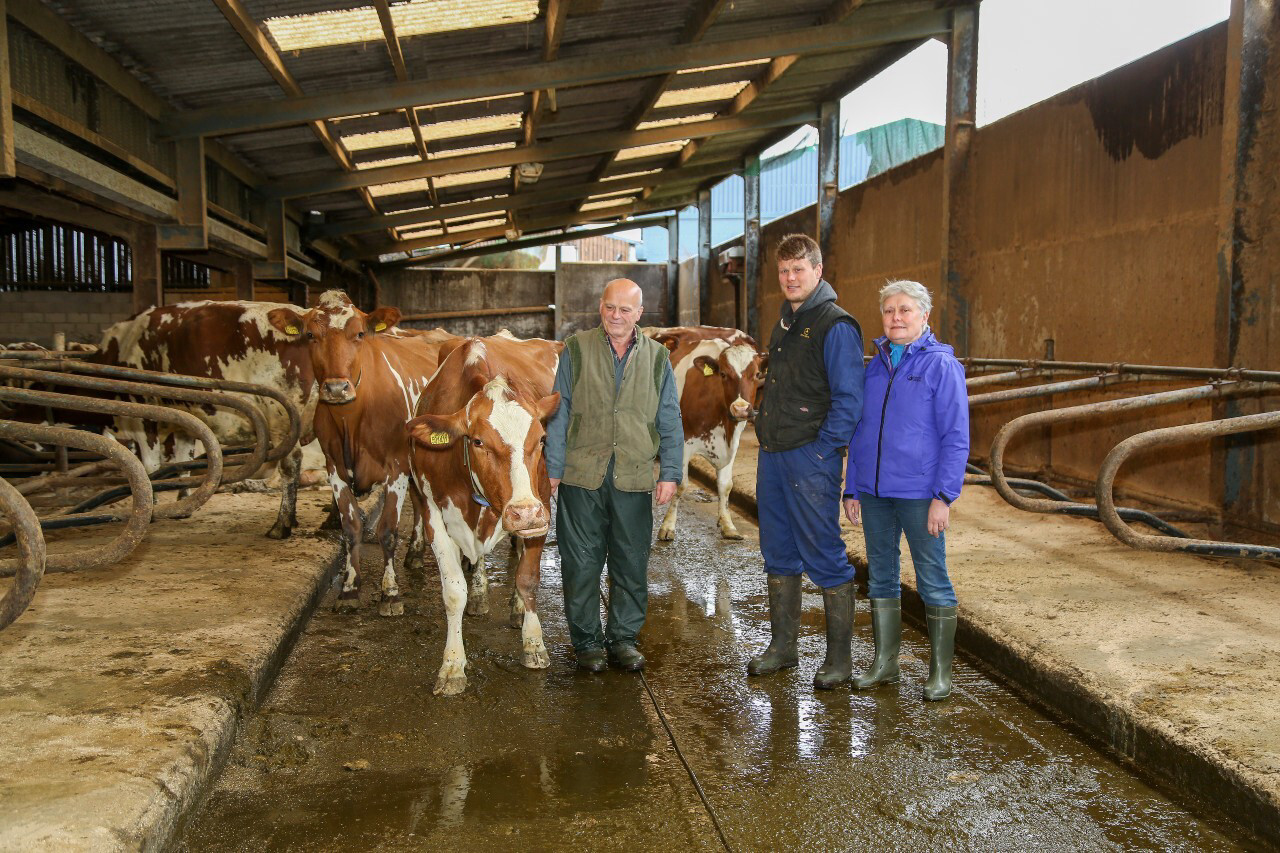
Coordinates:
925 341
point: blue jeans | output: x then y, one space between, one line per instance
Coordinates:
884 520
798 500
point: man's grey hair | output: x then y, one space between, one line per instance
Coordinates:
913 289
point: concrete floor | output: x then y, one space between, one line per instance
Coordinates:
1168 659
351 751
121 688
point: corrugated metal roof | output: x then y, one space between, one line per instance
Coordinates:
189 53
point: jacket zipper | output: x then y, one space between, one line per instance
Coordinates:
893 374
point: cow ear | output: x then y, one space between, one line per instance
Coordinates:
435 432
547 406
286 320
668 341
382 319
706 366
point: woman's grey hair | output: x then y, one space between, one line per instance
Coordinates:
913 289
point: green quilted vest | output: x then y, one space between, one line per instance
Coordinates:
603 424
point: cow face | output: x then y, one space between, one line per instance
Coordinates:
501 434
334 331
740 372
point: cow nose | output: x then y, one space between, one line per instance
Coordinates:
338 390
740 409
526 518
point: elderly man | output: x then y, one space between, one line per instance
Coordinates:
618 413
812 402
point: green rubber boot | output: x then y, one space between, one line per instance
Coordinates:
886 628
784 619
838 666
942 650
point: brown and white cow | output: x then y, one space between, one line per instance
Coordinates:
370 378
683 334
480 476
716 382
220 340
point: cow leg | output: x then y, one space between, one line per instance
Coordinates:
724 484
287 518
477 587
452 678
518 550
667 532
332 521
533 654
352 532
389 537
415 556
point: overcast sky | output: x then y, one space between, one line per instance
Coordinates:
1028 50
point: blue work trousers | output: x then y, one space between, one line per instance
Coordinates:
884 520
798 501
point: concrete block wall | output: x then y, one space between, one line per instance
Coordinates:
34 315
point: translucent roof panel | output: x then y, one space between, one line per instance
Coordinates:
747 64
478 177
430 132
627 175
389 161
607 203
475 149
414 18
699 94
651 150
668 122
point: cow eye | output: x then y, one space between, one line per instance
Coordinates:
360 334
475 442
310 336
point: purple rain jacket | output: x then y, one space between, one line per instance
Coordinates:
913 439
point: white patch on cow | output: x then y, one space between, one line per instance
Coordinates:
506 333
512 423
397 491
256 313
408 389
739 357
476 353
337 307
711 349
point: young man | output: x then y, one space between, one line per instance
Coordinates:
618 413
812 402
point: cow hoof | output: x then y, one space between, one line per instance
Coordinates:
392 606
535 657
415 562
348 602
478 606
666 534
450 685
730 533
280 531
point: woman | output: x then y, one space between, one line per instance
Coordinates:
906 467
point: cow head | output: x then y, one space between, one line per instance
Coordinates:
739 370
335 331
500 433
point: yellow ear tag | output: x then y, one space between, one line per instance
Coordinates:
706 370
438 438
291 330
379 327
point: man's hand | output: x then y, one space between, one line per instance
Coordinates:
664 492
853 510
555 484
939 517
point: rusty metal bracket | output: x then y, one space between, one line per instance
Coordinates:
31 560
1178 435
138 518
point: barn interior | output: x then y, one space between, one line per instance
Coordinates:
1104 262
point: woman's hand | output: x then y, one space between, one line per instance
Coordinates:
853 510
939 516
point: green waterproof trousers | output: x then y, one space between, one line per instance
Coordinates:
596 527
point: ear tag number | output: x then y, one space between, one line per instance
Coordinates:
706 370
291 330
439 438
379 327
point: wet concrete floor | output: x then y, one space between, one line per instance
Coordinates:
351 751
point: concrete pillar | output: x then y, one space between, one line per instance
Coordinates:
957 197
242 272
1248 319
704 255
828 172
673 270
749 308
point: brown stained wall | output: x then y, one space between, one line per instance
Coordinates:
579 287
33 315
1096 217
431 290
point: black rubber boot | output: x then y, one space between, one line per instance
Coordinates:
942 651
838 667
784 619
886 628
